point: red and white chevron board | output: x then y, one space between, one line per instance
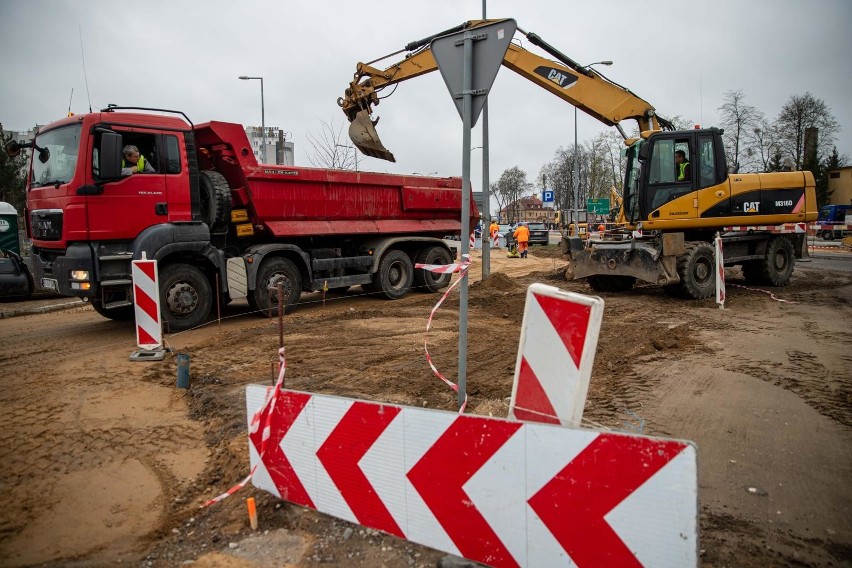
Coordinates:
785 228
559 337
720 272
500 492
146 297
472 241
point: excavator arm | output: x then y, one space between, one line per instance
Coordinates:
579 86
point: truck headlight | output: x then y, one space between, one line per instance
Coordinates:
80 275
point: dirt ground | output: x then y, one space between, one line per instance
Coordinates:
103 461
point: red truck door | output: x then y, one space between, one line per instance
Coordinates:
127 206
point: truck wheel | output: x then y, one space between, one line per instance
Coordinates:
185 297
425 281
393 279
123 313
777 266
606 283
697 273
215 200
828 235
274 270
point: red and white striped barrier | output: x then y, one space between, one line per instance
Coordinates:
499 492
820 228
146 297
786 228
495 241
472 241
720 272
559 337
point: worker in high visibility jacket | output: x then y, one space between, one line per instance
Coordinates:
681 166
493 229
134 162
522 235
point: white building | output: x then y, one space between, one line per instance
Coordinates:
278 149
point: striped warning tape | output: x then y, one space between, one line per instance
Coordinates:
268 408
462 268
773 296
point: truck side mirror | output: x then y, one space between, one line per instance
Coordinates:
109 157
13 148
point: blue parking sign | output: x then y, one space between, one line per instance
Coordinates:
547 196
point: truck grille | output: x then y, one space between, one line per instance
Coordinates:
46 224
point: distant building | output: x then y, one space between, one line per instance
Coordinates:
840 186
528 209
278 150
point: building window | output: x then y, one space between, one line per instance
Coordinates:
834 175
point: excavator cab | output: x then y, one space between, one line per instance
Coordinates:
664 172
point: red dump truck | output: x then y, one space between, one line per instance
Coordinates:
216 220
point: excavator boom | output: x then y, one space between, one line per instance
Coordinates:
583 88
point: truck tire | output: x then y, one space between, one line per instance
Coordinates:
395 274
777 265
607 283
425 281
185 297
697 272
276 269
215 200
827 235
122 313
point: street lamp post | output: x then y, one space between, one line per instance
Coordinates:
577 165
262 113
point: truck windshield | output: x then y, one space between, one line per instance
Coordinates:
631 182
63 145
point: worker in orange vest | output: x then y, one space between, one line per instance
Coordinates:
522 236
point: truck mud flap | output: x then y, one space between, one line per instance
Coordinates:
639 260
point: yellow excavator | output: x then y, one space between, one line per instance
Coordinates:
677 191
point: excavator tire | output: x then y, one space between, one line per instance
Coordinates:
215 201
605 283
697 271
777 265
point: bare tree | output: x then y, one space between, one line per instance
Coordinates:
332 149
799 114
511 186
763 141
739 121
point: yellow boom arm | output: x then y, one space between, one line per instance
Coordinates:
581 87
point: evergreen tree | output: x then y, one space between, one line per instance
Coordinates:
833 162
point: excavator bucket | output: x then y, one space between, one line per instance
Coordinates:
362 132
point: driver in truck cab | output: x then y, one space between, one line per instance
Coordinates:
134 162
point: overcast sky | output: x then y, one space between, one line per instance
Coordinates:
680 56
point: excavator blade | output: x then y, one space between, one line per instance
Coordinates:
362 132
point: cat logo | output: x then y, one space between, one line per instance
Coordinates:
751 207
560 77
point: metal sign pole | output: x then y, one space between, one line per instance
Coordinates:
486 190
467 77
467 100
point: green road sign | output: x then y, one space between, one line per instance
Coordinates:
598 206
